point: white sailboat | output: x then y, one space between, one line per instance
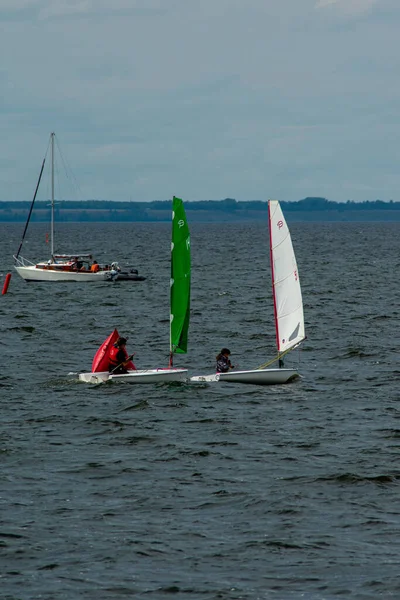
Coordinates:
288 308
58 267
179 315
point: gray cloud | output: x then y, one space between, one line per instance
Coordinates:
202 99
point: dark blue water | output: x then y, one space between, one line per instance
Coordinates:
217 492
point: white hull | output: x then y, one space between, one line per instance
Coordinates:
139 376
255 377
33 273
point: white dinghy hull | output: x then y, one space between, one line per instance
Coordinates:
260 376
255 377
139 376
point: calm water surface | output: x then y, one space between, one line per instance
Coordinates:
203 492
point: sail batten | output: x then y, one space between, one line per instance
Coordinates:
288 304
180 279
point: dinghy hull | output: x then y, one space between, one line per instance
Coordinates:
254 377
139 376
129 276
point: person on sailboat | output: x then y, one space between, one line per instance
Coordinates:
223 362
118 359
95 267
115 271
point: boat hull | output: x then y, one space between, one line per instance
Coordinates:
33 273
131 275
139 376
254 377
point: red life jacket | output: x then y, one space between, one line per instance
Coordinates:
114 361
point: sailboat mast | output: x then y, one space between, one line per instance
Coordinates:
171 282
180 281
273 276
52 195
288 304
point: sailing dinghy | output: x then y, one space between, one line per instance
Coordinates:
179 317
288 308
58 267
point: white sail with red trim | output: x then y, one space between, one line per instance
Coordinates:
288 303
288 308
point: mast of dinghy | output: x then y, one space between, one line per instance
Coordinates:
179 281
273 282
52 195
288 303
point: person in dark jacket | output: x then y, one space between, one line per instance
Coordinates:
223 362
119 358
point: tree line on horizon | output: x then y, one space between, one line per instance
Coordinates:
110 210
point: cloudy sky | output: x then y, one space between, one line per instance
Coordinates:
204 99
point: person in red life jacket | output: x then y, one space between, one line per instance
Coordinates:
118 359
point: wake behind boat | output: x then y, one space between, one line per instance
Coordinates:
288 308
179 316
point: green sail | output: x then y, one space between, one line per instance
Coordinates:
180 279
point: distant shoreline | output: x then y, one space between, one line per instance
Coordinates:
204 211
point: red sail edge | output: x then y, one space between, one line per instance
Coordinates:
100 361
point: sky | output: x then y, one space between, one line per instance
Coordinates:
203 99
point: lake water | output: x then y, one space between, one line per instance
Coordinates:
219 492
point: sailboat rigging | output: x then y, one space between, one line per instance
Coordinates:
288 308
76 266
179 314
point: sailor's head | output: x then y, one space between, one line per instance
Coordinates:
121 341
225 351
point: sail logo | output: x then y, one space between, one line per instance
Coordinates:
181 223
280 224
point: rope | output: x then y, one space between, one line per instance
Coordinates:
265 365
